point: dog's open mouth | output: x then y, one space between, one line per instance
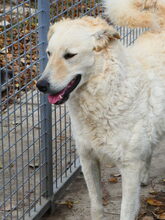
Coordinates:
63 95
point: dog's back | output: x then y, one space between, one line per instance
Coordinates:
136 13
149 49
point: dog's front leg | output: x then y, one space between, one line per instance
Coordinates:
130 191
91 171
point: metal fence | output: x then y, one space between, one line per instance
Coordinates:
37 153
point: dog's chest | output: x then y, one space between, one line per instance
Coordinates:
96 131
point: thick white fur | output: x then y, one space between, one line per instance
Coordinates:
118 109
136 13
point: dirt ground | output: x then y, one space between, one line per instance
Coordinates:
75 203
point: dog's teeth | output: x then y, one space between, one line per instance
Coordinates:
61 97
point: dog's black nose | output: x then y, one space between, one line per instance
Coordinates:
43 85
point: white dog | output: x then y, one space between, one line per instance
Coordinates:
116 95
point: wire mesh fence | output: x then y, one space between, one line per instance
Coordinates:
37 152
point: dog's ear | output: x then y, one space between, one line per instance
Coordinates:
51 31
103 38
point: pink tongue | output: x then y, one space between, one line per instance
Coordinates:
55 98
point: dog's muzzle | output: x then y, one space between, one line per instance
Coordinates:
61 96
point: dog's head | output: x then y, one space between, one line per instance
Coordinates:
72 47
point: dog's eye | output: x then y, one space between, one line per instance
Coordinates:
48 53
68 56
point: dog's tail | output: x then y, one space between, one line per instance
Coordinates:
136 13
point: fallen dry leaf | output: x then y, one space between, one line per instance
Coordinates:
34 165
105 202
17 85
117 175
110 165
153 192
4 23
113 180
68 203
161 216
106 198
154 202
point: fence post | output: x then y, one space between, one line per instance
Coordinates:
46 111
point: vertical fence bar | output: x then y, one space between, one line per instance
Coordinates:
46 112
